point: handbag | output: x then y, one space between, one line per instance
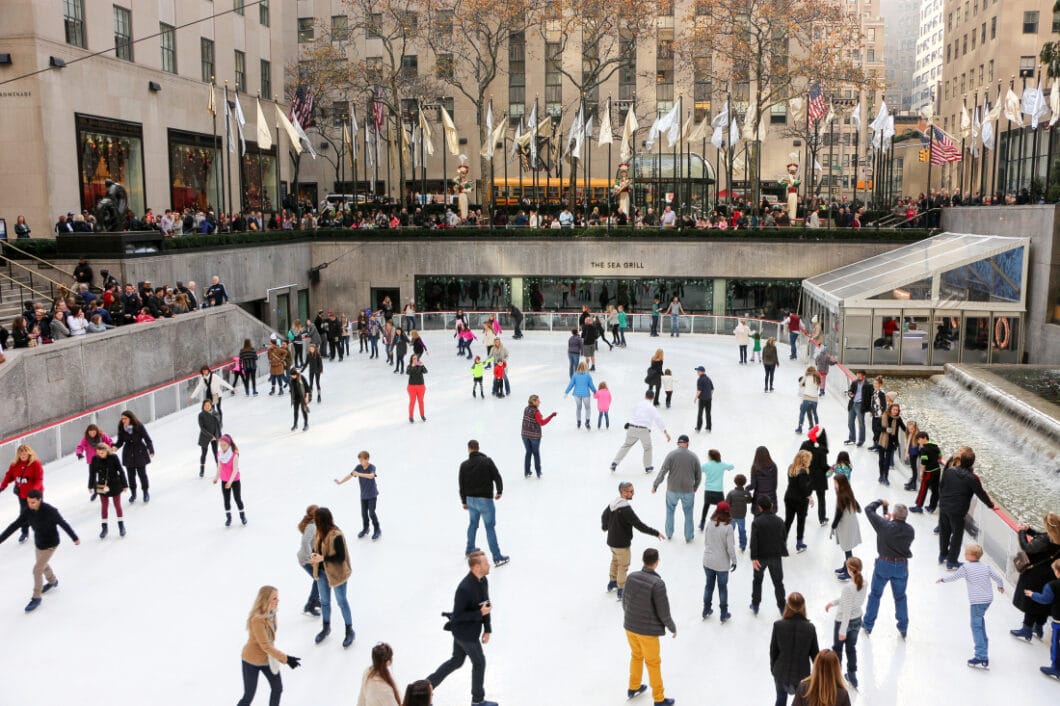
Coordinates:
102 489
1021 561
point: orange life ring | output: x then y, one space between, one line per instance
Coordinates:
1001 333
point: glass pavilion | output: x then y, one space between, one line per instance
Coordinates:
952 298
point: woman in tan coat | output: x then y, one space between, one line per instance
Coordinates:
260 655
377 685
331 569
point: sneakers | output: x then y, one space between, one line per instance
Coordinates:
611 586
976 663
50 585
630 693
501 560
32 605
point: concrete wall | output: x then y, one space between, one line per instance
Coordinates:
46 383
1042 225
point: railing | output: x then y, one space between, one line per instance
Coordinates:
41 261
52 284
20 288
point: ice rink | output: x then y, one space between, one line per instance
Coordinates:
158 617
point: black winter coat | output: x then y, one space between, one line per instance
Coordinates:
1041 551
655 371
764 482
298 396
768 537
957 485
209 427
800 488
792 650
818 464
315 363
137 444
109 472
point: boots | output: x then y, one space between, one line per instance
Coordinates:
103 532
243 517
323 633
348 640
147 496
121 528
202 470
312 609
228 519
132 496
1024 633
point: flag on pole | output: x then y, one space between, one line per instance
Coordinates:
734 131
415 144
378 109
452 140
369 158
228 125
671 125
817 106
264 134
531 128
976 131
606 137
888 133
346 140
943 147
830 116
425 132
699 132
855 116
966 123
296 143
1038 106
498 134
241 122
305 138
1012 108
487 149
355 133
1054 103
629 136
653 132
515 140
302 107
588 132
212 106
575 135
749 121
797 109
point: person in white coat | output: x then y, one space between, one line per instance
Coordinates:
743 339
212 388
378 687
719 558
845 527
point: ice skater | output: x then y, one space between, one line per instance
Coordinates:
279 361
331 569
646 617
477 479
308 530
477 373
300 397
228 474
848 618
315 362
581 383
401 349
638 428
416 387
106 480
365 474
500 368
27 473
619 520
93 437
45 521
212 388
137 452
603 405
209 433
531 434
248 363
260 656
978 577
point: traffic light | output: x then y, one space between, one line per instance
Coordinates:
925 155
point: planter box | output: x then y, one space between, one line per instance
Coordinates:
75 245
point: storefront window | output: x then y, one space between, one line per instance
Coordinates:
258 178
194 171
448 293
636 295
110 149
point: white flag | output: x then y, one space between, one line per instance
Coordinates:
718 138
263 133
749 120
369 159
354 133
606 137
734 131
588 134
629 136
653 132
722 118
855 117
1054 103
880 121
573 146
966 123
671 125
415 145
452 140
301 136
988 136
797 109
487 149
531 127
241 122
1012 108
1040 108
228 128
296 143
515 140
425 133
831 115
976 130
498 133
888 133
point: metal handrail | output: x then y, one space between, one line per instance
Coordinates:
23 285
38 259
31 272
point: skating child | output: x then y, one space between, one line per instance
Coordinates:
365 474
668 385
498 377
228 474
756 349
978 576
603 404
842 465
477 371
1050 595
738 500
464 337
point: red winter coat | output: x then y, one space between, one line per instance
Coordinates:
26 477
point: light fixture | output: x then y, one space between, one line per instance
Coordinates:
56 62
154 86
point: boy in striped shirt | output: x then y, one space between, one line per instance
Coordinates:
978 577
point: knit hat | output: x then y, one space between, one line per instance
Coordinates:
814 433
724 507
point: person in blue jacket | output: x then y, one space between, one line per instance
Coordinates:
582 384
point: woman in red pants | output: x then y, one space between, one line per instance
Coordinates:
416 387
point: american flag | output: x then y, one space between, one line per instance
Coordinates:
943 148
817 107
302 107
377 108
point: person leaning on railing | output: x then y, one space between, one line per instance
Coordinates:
1040 549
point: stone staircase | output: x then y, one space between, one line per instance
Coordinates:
12 294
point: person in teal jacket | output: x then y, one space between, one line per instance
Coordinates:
582 384
713 483
623 324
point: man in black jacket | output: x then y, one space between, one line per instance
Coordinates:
857 405
517 320
956 487
618 520
470 617
478 476
45 521
768 548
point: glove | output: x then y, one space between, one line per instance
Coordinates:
294 662
94 495
733 567
80 457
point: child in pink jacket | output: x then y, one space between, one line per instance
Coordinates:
464 337
603 404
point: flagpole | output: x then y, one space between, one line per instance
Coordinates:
1023 133
364 152
632 169
533 167
728 148
279 199
831 166
1034 150
218 163
608 170
353 161
588 171
552 159
507 186
982 152
931 161
389 166
228 134
857 164
1049 153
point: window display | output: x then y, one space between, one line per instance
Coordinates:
110 149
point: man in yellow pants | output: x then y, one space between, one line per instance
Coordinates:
646 616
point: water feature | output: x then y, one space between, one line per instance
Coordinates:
1043 381
1018 458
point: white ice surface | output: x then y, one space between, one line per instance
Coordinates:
158 617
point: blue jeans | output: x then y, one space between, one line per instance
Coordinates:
622 336
675 327
792 338
573 359
325 599
410 323
603 416
856 414
533 448
476 508
722 579
978 611
808 409
687 500
741 527
314 592
850 642
585 403
897 574
654 325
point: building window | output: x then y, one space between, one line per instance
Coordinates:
1030 22
702 88
627 73
778 114
516 76
123 48
74 20
666 8
206 57
1027 66
340 28
340 113
237 5
1056 22
993 28
168 37
443 23
664 69
410 67
266 79
373 69
871 55
553 78
305 30
444 67
263 13
241 71
375 26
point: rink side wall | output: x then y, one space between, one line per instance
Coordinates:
48 383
